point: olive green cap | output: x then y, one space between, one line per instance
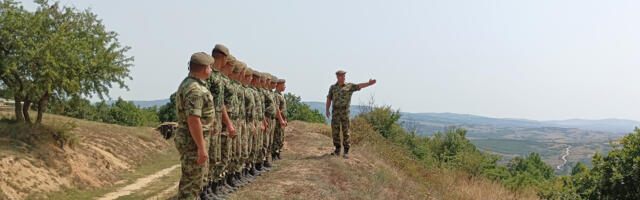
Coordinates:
248 72
201 58
263 76
257 74
239 66
274 79
281 81
340 72
231 60
222 49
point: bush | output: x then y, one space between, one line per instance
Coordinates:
296 110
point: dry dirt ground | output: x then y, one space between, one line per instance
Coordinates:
102 154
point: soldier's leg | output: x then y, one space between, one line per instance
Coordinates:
346 142
226 152
335 130
271 135
191 180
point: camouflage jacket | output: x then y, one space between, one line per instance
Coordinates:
259 108
340 95
283 105
269 103
216 85
193 98
249 104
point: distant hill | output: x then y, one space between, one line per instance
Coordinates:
146 104
453 119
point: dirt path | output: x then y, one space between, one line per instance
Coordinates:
140 183
307 171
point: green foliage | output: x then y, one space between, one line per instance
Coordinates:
383 120
57 52
296 110
121 112
167 112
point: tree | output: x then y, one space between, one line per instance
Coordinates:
296 110
167 112
61 52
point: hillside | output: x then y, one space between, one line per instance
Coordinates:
103 156
115 162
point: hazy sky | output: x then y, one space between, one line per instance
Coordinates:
522 59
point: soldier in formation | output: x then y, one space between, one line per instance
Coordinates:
230 121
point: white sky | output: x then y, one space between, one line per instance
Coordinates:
543 59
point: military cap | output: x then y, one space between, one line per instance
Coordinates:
248 72
222 49
274 79
256 74
239 66
267 76
281 81
201 58
263 76
340 72
231 60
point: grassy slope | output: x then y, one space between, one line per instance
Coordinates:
105 156
376 170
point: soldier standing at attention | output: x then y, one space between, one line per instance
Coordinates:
269 113
281 111
260 122
195 110
217 83
340 95
228 130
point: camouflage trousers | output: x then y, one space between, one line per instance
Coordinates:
215 152
226 153
248 160
266 138
256 148
243 147
340 121
278 138
193 174
236 147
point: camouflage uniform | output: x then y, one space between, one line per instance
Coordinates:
230 101
234 95
340 96
258 155
242 120
192 98
278 137
216 84
270 111
249 104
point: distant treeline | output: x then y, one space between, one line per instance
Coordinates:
614 176
120 112
128 114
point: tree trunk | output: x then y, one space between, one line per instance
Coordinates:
42 106
25 110
18 108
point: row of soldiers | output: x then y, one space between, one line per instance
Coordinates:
230 121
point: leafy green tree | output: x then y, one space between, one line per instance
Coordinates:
62 52
296 110
618 173
167 112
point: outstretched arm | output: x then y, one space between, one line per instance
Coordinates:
367 84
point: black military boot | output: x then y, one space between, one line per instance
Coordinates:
336 152
268 164
223 188
247 176
346 153
241 182
254 172
278 156
232 182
